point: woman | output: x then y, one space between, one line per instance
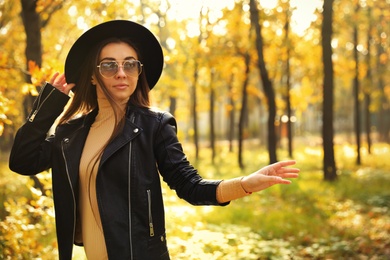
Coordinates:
110 147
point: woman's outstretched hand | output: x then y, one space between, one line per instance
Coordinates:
269 175
59 82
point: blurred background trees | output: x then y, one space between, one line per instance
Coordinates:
253 74
245 71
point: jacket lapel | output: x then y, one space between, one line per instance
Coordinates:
130 131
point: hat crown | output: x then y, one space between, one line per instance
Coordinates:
145 41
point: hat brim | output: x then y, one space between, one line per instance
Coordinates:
145 41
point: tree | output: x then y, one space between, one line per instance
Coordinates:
368 83
212 98
288 98
165 32
329 164
267 84
32 25
356 86
236 69
194 104
382 70
244 108
231 112
32 13
215 54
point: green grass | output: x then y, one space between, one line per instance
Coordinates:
308 219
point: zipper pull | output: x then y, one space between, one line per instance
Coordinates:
151 230
32 117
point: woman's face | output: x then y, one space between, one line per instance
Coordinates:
121 85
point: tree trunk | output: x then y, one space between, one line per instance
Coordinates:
32 25
231 114
194 110
368 85
329 165
163 33
211 117
288 99
243 112
356 90
384 120
267 84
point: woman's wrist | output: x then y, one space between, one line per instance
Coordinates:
231 189
243 186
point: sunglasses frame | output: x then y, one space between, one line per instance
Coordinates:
140 65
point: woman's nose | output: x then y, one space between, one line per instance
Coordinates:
121 72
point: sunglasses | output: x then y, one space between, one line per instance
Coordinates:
109 69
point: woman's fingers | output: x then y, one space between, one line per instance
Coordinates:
59 82
281 169
288 172
53 78
286 163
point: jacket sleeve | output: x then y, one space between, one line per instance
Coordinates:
31 151
177 171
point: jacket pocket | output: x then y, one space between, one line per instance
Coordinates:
157 247
151 228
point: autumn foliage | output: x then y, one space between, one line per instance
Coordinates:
212 84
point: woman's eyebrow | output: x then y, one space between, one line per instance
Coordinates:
113 59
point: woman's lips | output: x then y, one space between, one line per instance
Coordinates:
121 86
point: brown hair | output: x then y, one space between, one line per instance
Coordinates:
85 97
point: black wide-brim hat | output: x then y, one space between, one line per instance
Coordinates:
145 41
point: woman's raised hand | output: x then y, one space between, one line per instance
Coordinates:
270 175
59 82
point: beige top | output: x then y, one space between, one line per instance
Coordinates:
91 227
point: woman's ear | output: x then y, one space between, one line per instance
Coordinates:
93 81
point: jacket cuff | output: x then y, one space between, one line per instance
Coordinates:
48 105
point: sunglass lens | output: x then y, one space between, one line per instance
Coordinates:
109 68
131 68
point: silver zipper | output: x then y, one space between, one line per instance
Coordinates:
71 187
129 197
151 228
39 105
32 117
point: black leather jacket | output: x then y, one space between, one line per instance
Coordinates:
128 181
